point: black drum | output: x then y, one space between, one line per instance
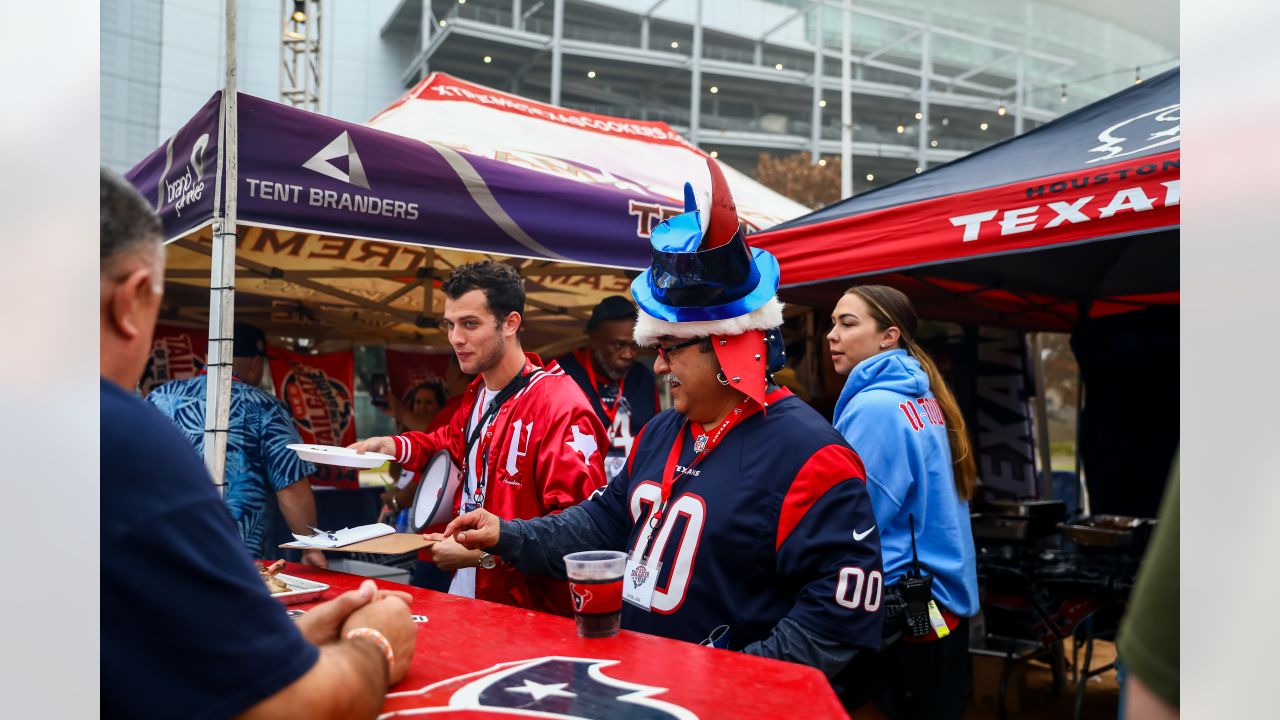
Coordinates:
434 502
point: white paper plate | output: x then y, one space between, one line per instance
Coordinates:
335 455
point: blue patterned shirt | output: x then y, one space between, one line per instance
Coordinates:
258 462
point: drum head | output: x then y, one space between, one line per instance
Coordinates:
434 502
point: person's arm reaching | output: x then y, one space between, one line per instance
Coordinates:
536 546
298 506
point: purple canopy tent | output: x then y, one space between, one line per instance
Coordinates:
361 217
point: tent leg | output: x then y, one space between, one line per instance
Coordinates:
1042 417
222 275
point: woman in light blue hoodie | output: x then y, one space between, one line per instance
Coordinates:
902 420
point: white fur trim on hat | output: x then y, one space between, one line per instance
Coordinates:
649 328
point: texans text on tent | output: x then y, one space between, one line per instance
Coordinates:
1141 198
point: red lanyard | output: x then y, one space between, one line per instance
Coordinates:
743 410
584 359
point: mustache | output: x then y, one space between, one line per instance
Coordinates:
670 379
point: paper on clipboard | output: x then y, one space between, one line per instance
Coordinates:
345 536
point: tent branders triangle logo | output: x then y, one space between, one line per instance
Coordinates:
342 146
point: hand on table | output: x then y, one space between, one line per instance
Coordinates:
476 530
320 625
449 555
389 616
384 445
315 559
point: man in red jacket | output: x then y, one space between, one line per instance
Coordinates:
526 439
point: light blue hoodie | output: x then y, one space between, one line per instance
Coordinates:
891 419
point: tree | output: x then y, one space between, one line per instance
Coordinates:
797 177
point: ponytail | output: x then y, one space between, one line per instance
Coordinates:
880 299
963 466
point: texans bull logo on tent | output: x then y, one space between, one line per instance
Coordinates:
545 687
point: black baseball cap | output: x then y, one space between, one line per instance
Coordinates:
614 307
250 341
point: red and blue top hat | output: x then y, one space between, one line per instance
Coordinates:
705 281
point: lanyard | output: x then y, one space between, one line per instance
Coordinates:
482 455
584 359
703 445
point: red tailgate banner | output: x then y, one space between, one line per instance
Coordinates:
1112 200
407 369
177 353
320 393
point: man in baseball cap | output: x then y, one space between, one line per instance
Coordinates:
261 472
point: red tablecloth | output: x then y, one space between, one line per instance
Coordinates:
473 655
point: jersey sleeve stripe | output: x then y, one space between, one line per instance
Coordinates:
823 470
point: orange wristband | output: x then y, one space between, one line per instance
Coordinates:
378 639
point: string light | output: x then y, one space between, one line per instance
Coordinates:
871 178
1001 110
946 122
591 73
822 103
901 129
777 66
444 23
919 116
714 89
822 162
299 11
933 143
919 169
487 59
715 154
675 45
983 127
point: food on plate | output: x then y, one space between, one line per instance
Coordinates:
268 573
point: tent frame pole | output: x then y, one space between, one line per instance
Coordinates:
1042 416
846 100
815 129
557 50
222 276
695 78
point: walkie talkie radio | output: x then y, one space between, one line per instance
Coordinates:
916 588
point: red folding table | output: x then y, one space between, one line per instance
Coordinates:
477 659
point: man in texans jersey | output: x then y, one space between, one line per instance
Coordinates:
739 507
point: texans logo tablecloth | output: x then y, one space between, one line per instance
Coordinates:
476 659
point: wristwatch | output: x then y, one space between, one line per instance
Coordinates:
487 561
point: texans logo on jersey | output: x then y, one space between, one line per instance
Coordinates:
546 687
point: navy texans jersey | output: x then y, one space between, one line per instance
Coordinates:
775 522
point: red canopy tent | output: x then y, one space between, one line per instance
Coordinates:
1078 215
